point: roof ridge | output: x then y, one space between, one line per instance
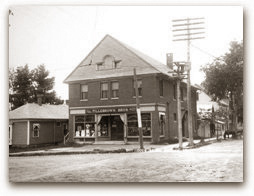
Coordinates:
134 52
86 57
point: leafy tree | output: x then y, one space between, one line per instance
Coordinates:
26 85
20 83
224 79
42 83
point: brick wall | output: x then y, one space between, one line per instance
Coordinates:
150 94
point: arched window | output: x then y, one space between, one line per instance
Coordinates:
108 62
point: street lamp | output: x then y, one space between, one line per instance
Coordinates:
178 74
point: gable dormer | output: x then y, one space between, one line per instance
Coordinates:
109 62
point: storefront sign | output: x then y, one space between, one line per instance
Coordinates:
109 110
77 111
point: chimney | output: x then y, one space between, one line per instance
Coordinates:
170 60
39 99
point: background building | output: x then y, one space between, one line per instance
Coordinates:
213 116
35 124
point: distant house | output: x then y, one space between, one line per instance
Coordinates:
36 124
205 107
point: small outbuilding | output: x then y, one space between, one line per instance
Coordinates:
37 124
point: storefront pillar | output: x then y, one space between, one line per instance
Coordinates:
155 126
124 119
96 128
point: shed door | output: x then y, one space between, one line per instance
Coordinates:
10 134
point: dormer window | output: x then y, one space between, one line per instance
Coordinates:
118 64
108 62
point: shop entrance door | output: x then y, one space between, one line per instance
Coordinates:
117 132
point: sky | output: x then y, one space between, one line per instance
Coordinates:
60 37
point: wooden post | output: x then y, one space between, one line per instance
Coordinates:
138 111
179 116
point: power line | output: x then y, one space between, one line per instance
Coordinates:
209 54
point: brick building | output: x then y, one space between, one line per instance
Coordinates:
102 102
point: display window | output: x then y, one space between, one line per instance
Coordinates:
162 123
103 128
132 123
85 126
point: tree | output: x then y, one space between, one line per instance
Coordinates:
20 83
224 79
43 84
25 85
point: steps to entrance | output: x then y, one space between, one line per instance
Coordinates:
109 142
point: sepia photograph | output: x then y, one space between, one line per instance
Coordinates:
125 93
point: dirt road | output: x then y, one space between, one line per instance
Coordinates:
217 162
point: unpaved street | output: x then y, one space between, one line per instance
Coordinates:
217 162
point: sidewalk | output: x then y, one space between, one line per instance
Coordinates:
107 148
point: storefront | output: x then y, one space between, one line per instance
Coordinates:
117 123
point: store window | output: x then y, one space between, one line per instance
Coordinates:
139 84
132 123
103 127
104 90
114 89
162 123
84 91
85 126
36 129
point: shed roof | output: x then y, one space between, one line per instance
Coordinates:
45 111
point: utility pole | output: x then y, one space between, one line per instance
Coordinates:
188 31
138 111
178 73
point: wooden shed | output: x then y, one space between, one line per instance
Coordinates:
33 124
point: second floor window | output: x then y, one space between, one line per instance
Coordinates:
161 87
174 91
104 90
84 91
114 89
139 84
181 94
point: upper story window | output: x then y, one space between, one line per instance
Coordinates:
84 91
197 96
104 90
139 84
161 87
181 94
175 117
114 89
118 64
108 62
174 91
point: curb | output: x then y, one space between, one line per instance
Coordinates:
95 151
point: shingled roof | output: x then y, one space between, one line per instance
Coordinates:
35 111
129 56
